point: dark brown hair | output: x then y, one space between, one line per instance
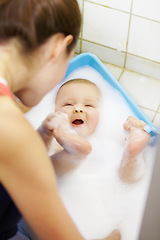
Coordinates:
34 21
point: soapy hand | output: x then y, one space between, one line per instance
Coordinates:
57 121
136 136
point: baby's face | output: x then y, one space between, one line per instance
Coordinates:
80 101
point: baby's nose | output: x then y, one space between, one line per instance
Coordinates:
78 109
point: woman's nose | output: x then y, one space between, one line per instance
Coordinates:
78 109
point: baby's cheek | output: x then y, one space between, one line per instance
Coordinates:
94 122
64 110
95 118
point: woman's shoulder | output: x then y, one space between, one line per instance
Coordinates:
13 124
4 88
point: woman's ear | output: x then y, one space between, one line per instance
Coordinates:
68 39
59 45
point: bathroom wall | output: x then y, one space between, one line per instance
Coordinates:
125 33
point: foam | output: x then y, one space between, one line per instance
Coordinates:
94 196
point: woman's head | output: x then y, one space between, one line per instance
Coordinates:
38 38
32 22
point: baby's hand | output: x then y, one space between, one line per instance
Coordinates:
57 120
137 138
133 122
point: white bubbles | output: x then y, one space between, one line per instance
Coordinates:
93 194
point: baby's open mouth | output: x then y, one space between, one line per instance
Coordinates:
78 122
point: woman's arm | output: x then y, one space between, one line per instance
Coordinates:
27 174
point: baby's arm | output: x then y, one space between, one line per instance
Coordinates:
132 165
46 130
74 146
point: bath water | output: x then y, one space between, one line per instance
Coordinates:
96 199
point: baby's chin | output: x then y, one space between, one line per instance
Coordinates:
81 131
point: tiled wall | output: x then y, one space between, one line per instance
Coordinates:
125 33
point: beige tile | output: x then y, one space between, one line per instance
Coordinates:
116 71
145 91
150 114
157 120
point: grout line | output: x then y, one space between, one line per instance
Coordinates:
112 64
156 113
129 27
121 74
147 59
98 44
154 117
101 45
134 14
129 70
80 48
102 5
149 19
118 79
147 108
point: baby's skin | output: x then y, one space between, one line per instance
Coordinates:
74 147
132 166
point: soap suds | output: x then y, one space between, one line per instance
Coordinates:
95 197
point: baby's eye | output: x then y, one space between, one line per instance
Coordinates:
89 105
68 104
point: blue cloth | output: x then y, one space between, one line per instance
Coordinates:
9 215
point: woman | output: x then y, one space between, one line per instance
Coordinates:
37 40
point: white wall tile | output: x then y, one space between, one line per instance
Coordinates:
80 4
143 66
145 91
144 38
147 8
105 54
105 26
77 50
123 5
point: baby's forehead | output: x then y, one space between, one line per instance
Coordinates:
79 87
80 82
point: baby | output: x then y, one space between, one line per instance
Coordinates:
75 119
